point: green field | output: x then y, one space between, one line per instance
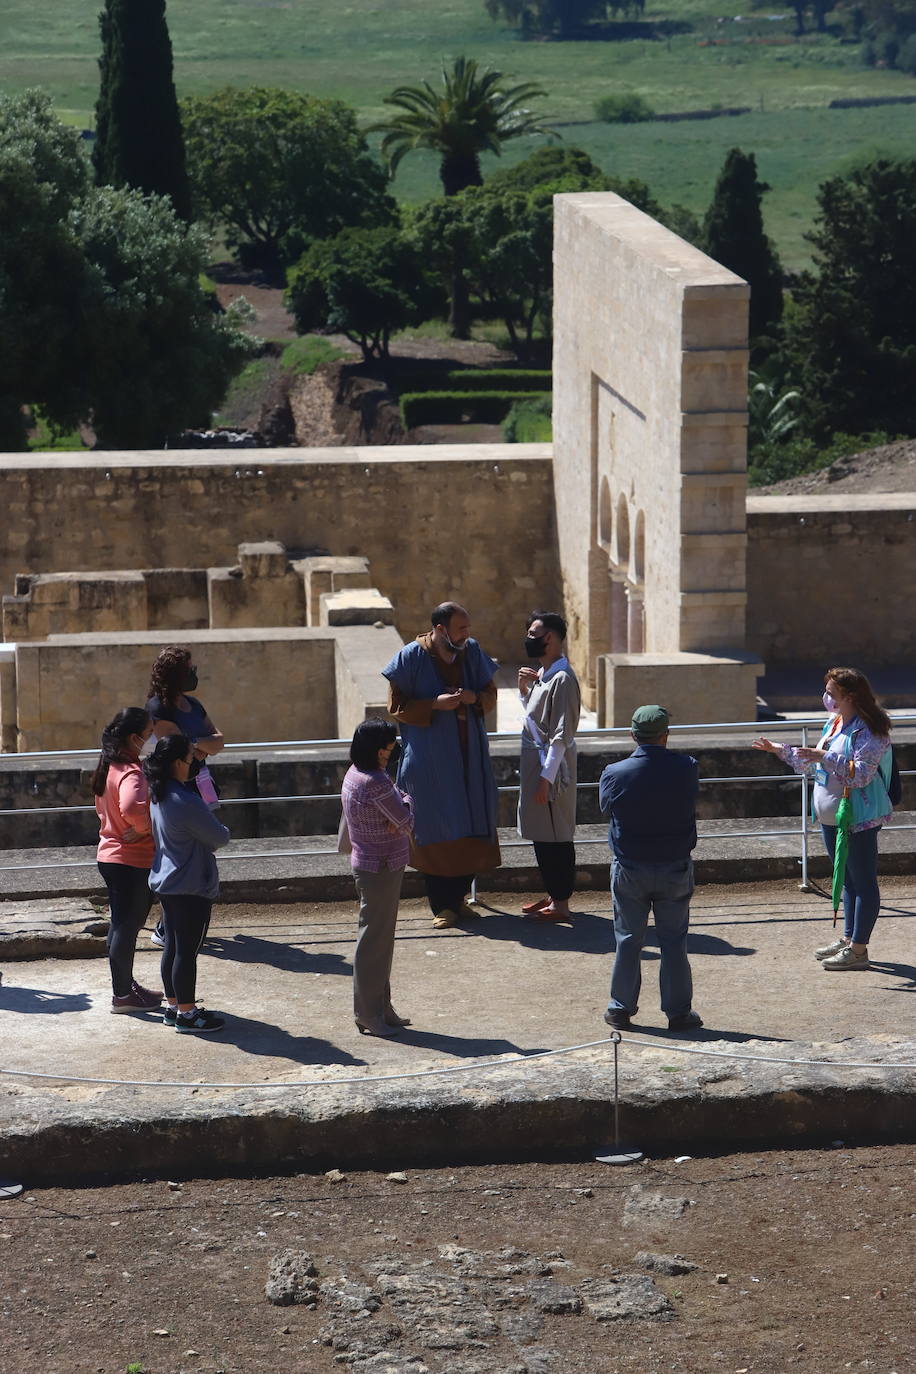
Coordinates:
358 52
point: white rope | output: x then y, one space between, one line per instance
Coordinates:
483 1064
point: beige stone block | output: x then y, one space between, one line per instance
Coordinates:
695 688
266 559
361 652
325 573
235 602
363 607
7 699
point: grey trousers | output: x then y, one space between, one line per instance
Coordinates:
379 894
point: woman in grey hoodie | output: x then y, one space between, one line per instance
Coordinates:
184 876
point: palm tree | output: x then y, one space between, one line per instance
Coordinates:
472 113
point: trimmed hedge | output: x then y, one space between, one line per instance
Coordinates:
460 407
481 379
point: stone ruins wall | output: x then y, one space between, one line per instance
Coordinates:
832 579
475 523
650 394
261 684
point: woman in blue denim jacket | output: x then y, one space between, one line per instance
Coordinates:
853 752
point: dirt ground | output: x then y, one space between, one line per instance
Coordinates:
889 468
804 1262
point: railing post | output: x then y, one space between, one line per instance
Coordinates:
804 885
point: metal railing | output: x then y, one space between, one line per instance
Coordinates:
800 725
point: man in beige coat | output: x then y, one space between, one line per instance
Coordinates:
547 782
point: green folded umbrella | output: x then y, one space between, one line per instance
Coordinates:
843 822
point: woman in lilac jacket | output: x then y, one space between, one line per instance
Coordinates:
379 820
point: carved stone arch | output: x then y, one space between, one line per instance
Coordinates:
639 550
605 517
621 543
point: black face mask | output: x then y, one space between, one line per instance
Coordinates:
190 680
535 646
393 757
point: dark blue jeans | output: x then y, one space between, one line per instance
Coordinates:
665 890
861 898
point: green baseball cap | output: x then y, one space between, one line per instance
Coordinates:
650 720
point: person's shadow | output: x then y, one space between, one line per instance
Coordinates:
39 1001
251 949
251 1036
706 1033
906 971
587 933
462 1047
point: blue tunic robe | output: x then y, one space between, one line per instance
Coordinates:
454 793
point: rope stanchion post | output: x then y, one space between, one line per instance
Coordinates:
619 1154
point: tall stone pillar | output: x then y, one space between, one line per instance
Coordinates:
619 638
635 619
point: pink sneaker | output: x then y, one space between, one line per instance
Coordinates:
146 995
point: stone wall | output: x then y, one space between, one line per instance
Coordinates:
832 579
265 684
471 523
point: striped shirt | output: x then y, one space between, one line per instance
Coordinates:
379 818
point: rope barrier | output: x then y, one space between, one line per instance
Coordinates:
479 1065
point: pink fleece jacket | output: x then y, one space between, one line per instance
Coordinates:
124 805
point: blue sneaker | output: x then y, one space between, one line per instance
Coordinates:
198 1022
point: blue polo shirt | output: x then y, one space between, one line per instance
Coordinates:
651 797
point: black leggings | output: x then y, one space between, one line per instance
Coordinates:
557 861
446 893
185 920
129 901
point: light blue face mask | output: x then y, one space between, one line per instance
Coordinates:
829 702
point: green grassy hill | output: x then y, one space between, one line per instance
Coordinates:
359 51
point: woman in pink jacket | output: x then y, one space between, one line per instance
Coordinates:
125 852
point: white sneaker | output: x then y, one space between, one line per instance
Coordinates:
155 938
826 951
846 959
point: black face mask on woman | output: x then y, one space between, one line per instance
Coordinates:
190 680
535 645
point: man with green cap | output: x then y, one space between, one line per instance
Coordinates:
651 797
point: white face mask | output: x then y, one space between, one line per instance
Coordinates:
148 746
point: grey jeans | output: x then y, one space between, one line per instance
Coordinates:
379 894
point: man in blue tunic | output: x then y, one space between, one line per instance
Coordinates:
440 688
652 800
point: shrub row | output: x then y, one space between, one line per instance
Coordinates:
529 422
459 407
481 379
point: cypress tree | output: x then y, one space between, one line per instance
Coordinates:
138 128
733 234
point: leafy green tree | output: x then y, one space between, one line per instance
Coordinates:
42 272
365 283
159 358
851 338
138 129
733 234
279 169
561 17
471 113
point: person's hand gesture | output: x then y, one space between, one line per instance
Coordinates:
542 792
767 744
449 701
527 677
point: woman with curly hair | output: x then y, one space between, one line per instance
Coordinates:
854 753
125 851
175 712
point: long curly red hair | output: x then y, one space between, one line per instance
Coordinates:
168 674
